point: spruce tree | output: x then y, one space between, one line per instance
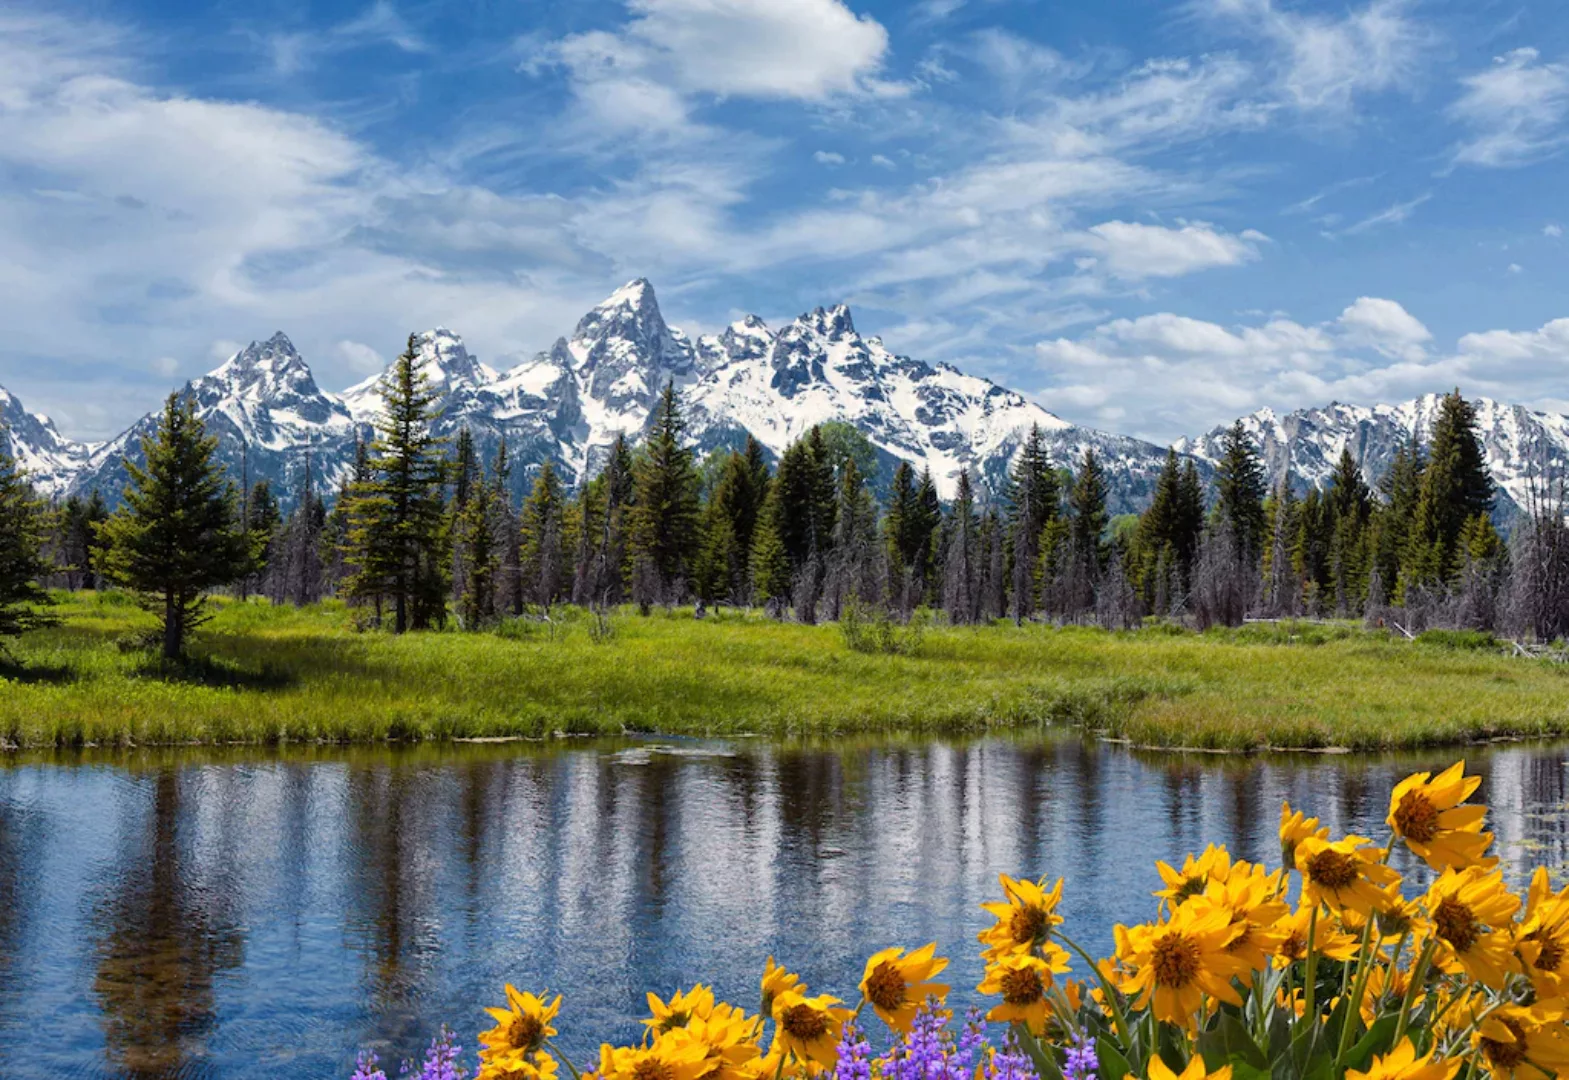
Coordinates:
769 563
1033 498
1240 491
1456 488
663 529
855 566
1392 523
176 534
961 562
476 535
262 520
397 517
1087 502
729 520
24 523
542 552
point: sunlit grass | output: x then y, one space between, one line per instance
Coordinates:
262 674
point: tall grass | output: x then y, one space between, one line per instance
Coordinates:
262 674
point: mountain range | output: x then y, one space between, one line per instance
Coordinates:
568 403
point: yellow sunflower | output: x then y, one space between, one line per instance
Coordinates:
1427 814
1346 874
808 1028
1384 992
523 1026
777 981
518 1066
1023 981
1472 913
1177 962
1195 1070
1520 1042
1542 942
1401 1063
683 1007
1024 920
1295 827
1249 894
1329 938
730 1037
1194 877
897 985
675 1055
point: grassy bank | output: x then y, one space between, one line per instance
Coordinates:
265 675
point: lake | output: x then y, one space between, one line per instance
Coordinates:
247 914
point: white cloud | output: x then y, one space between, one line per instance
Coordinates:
1552 232
1396 214
1515 111
828 157
1386 326
1516 268
883 161
361 357
165 366
1133 250
1181 375
378 24
1325 61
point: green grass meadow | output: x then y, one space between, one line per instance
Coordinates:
265 675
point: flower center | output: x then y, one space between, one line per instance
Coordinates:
525 1032
1189 888
1027 924
1176 960
652 1069
1332 870
1416 818
1552 953
805 1022
1022 986
1457 924
885 989
1505 1055
1294 947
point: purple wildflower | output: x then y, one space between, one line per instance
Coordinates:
366 1067
854 1055
1082 1062
441 1061
1010 1062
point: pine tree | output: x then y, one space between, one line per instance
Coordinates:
476 536
1033 498
1282 523
1456 487
1351 511
76 547
542 553
855 566
1392 523
729 520
1087 502
262 519
397 517
769 562
961 563
663 528
176 534
1239 489
24 524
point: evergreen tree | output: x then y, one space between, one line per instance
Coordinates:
1282 524
1087 502
663 529
1033 498
1456 487
465 469
262 520
961 564
476 536
855 566
769 563
1240 491
543 561
729 519
77 546
1350 553
176 534
295 574
24 524
397 518
1401 488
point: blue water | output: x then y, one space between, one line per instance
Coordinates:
253 914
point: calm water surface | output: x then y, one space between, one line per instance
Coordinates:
249 915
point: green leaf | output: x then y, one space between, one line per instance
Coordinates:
1113 1066
1378 1040
1229 1043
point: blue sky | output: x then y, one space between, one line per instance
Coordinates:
1151 217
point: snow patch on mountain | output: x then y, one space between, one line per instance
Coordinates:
49 459
1522 446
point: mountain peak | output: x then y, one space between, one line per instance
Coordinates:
265 369
834 322
447 362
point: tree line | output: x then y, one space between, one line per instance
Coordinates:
423 533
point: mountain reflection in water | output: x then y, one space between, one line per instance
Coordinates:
251 914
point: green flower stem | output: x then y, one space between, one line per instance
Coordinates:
1418 973
1354 1002
1310 974
1113 998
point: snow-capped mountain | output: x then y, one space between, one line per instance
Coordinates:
270 419
50 460
1522 446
